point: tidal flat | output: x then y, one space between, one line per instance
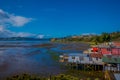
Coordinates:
34 57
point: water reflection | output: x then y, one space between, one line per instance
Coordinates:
35 60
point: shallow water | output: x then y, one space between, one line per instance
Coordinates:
34 60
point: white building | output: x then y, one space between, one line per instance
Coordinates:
79 58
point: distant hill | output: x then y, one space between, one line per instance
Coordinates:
22 38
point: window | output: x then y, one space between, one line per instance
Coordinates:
66 60
97 58
80 58
108 49
90 58
73 57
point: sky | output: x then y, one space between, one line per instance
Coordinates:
57 18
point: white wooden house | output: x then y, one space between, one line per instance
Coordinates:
96 58
79 58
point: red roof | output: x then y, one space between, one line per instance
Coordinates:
96 55
116 44
113 51
105 51
95 49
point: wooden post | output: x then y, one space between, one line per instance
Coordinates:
110 68
84 67
99 67
103 67
71 66
95 67
76 65
50 77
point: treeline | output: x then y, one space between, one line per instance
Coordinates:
104 37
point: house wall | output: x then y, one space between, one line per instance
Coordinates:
79 59
97 60
109 51
73 59
105 51
118 66
115 51
110 68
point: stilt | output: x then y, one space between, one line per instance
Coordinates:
95 67
84 66
103 67
98 67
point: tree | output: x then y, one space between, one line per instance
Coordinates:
105 37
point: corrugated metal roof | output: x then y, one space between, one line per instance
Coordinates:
117 76
111 59
77 54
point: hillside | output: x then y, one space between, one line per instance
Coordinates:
104 37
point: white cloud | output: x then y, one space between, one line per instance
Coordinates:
1 11
7 19
7 33
17 21
23 34
1 28
88 34
40 36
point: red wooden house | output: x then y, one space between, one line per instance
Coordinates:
107 50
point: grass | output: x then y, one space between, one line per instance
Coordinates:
92 75
57 77
54 55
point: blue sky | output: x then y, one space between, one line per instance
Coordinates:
55 18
